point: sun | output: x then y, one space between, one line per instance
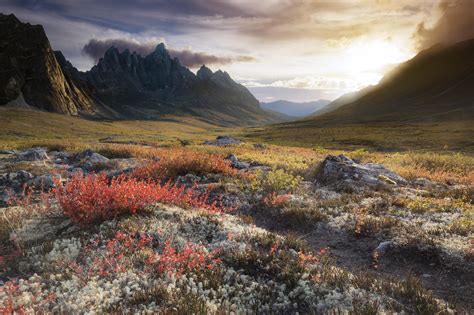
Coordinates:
369 60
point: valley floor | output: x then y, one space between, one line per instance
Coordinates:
171 225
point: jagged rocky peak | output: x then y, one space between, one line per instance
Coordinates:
31 70
204 72
161 51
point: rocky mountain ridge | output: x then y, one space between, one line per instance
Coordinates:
30 70
122 85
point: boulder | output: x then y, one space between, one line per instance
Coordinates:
15 179
88 159
345 174
33 154
45 182
259 146
223 140
234 161
383 248
60 157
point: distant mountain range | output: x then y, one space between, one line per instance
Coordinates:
123 85
295 109
436 85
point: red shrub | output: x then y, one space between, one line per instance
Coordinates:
169 167
192 257
123 252
91 198
274 200
127 251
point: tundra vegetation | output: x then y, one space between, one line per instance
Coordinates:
112 224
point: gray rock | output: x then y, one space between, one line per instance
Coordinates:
89 158
8 179
189 179
345 174
45 182
4 198
33 154
23 175
116 173
259 146
425 183
7 152
60 157
222 140
384 247
236 163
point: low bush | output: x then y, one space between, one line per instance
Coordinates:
273 200
91 198
192 257
275 181
197 163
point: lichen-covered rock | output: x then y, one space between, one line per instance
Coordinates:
33 154
236 163
45 182
88 159
344 173
14 179
222 140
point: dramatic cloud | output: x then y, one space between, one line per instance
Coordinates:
96 49
455 24
195 59
298 44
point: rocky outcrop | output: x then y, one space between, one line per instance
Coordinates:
87 159
33 154
343 173
222 140
234 161
31 71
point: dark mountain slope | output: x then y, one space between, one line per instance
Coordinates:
29 70
341 101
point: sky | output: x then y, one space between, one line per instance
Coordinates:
280 49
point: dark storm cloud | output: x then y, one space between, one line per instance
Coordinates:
96 49
263 21
454 25
195 59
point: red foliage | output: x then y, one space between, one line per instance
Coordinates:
12 291
120 255
192 257
91 198
127 251
274 200
173 165
10 288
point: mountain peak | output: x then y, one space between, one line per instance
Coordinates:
204 72
160 50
